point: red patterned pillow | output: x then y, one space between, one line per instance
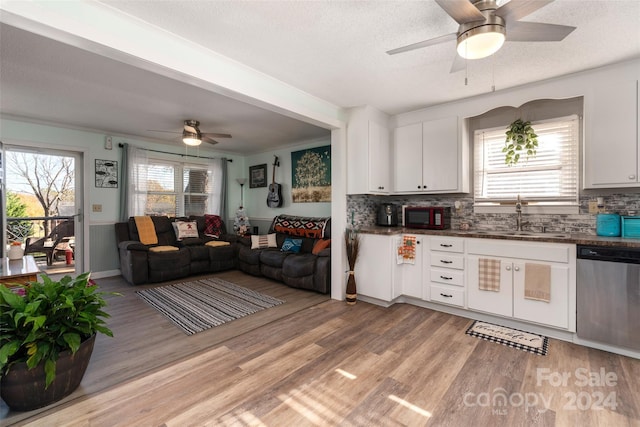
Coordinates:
212 226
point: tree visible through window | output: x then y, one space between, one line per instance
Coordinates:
550 178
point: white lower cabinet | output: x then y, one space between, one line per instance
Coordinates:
374 273
411 276
509 300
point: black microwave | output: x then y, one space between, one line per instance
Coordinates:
429 217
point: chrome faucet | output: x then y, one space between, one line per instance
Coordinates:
519 222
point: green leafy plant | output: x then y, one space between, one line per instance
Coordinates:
40 320
520 137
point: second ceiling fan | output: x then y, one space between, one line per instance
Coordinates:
484 27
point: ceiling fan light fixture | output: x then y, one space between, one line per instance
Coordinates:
191 138
478 40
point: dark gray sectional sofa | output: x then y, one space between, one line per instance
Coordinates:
303 270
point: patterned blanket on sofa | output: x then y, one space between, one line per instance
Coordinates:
312 227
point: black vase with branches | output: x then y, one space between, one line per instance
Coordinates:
352 243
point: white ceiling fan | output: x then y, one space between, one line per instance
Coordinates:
191 134
484 27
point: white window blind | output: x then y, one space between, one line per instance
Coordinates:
550 178
174 189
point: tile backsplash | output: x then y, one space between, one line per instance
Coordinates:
362 208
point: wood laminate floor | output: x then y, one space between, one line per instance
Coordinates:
319 362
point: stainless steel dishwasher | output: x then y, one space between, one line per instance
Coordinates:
608 295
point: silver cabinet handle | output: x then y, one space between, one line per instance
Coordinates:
632 177
446 296
508 268
516 268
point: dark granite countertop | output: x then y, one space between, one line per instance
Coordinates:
549 237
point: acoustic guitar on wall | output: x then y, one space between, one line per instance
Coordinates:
274 198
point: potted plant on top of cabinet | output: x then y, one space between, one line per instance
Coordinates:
47 332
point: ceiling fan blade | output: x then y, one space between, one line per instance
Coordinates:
458 64
165 131
425 43
209 140
537 32
518 9
216 135
462 11
191 129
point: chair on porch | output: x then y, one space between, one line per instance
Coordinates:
48 244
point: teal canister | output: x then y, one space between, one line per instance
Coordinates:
608 224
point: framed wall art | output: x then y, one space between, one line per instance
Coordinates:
258 176
311 175
106 173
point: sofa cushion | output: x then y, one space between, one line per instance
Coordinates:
291 245
215 243
212 225
273 257
299 265
249 256
319 245
263 241
163 249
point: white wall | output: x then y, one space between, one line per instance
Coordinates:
255 199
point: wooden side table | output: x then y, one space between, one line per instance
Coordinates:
20 271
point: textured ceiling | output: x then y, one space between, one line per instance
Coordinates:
334 50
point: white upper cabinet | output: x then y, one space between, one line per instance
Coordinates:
611 149
430 158
368 162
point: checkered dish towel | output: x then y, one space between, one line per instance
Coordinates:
489 272
407 249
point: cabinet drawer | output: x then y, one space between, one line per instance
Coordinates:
448 277
446 260
446 244
447 294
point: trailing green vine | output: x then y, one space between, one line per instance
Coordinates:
520 137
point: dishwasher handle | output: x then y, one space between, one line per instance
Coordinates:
609 254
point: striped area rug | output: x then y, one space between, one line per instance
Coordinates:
202 304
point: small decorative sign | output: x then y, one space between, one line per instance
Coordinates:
106 173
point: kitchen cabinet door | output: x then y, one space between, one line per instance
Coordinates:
413 275
553 313
368 162
495 302
374 269
408 159
611 152
441 158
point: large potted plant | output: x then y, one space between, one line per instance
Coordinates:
47 332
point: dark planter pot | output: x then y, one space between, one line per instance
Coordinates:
23 389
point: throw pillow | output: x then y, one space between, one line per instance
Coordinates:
185 229
319 245
163 249
264 241
212 225
291 245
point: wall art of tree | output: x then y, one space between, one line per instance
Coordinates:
311 175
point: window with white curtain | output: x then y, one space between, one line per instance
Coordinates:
175 189
550 178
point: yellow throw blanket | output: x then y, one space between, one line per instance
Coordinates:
146 230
